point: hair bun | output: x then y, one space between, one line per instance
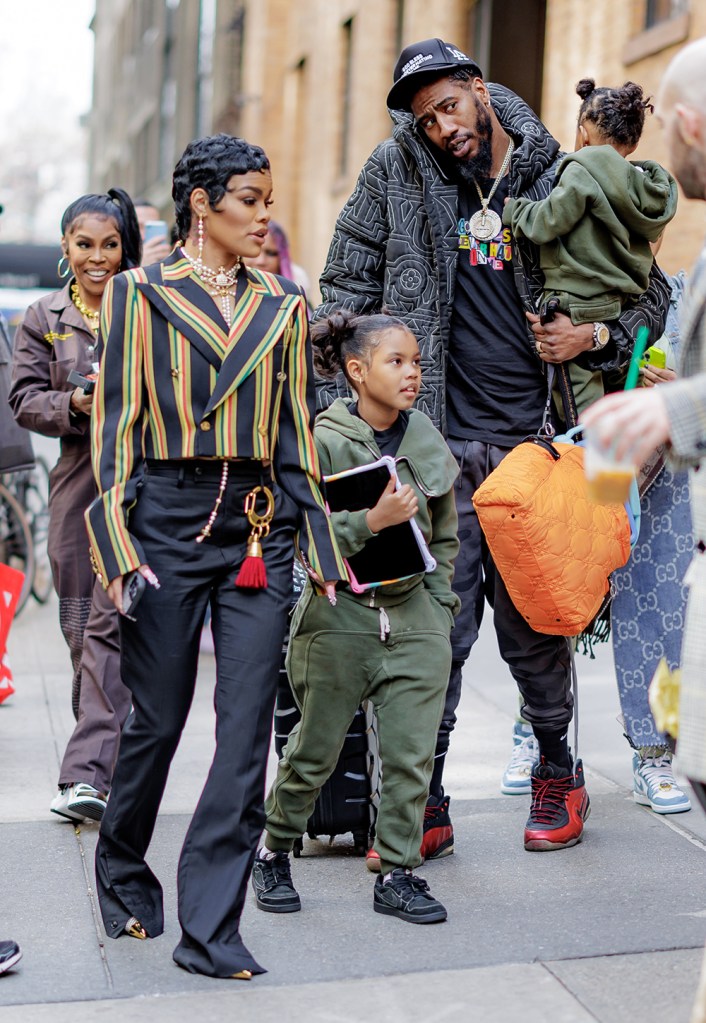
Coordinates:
585 87
339 324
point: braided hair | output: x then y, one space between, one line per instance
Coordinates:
344 335
618 114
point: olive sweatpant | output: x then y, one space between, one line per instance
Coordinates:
338 657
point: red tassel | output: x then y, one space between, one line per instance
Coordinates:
252 574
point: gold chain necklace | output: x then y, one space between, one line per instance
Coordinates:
486 223
92 315
222 282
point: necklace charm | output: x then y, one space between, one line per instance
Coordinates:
221 280
485 223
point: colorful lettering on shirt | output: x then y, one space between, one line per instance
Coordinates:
494 253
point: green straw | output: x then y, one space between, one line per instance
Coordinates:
637 353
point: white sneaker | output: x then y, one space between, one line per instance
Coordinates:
655 785
517 778
78 802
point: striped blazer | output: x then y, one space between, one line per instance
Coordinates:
175 383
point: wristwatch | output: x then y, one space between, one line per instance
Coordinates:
601 336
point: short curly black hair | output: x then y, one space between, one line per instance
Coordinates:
210 163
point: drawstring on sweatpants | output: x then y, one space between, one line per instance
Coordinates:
384 625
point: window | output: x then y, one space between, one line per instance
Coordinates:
346 96
399 25
661 23
662 10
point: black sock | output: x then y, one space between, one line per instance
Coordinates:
553 746
436 789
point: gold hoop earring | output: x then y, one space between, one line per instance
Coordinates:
67 271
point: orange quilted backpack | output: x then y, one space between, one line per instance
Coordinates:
553 547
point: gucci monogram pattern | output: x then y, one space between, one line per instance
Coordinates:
649 602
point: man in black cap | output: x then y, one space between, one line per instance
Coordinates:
422 235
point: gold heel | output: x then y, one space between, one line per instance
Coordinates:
243 975
135 929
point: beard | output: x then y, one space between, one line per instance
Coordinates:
480 165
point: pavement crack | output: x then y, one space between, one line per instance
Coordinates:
572 994
94 909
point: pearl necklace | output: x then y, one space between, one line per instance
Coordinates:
222 282
92 315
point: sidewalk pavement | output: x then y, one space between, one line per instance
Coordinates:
609 931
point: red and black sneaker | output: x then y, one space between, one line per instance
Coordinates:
560 805
438 833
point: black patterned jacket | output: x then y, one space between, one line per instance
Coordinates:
396 244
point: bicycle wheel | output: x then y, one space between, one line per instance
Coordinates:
16 544
33 495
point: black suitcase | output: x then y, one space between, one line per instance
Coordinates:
345 803
348 801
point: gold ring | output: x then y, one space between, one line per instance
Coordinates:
539 348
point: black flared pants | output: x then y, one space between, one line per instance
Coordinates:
159 660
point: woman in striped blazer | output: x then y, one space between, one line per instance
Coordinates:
204 403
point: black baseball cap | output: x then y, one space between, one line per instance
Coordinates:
417 60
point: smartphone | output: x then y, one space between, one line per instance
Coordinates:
78 380
133 587
156 229
654 356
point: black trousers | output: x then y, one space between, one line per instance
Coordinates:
159 653
539 664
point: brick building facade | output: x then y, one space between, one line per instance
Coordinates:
307 80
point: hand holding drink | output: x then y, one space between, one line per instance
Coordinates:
608 477
632 423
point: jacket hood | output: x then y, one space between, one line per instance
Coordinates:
422 447
643 195
535 148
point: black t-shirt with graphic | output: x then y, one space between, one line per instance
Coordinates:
494 384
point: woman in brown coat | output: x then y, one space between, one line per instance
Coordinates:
100 238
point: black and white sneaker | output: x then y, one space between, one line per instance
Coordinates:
10 955
272 884
78 802
407 896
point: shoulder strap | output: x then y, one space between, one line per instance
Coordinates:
571 416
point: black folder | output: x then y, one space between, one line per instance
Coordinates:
396 552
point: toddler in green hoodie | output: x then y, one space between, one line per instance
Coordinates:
596 226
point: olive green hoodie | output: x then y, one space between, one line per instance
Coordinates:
345 441
595 226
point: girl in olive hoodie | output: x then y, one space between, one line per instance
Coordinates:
390 644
